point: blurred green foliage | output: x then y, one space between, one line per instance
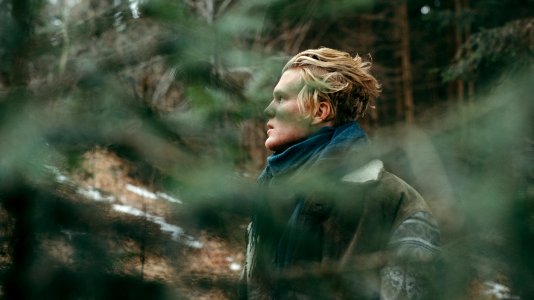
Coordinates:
70 84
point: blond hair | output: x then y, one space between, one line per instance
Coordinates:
336 77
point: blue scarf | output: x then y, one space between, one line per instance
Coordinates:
324 144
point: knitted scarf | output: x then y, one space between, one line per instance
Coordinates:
324 144
327 144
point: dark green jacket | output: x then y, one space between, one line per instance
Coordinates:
373 237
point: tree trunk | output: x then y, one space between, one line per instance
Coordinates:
22 13
467 33
406 68
458 46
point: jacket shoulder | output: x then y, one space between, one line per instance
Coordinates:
387 191
400 198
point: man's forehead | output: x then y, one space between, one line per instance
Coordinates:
290 82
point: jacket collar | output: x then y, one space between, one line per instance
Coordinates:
368 172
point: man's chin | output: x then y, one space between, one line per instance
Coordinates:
271 145
268 146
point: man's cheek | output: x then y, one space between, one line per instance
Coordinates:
286 114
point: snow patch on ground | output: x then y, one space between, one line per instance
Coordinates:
167 197
59 176
234 266
177 233
498 291
151 195
94 194
141 191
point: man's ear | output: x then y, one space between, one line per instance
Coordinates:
322 113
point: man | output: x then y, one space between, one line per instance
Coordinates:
332 226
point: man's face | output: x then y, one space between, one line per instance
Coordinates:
287 125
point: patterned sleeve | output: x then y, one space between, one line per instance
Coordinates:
414 247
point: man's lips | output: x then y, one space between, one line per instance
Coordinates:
269 128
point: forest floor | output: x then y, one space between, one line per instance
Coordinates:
207 264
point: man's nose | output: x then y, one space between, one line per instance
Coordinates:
270 110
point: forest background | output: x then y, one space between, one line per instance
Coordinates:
131 133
